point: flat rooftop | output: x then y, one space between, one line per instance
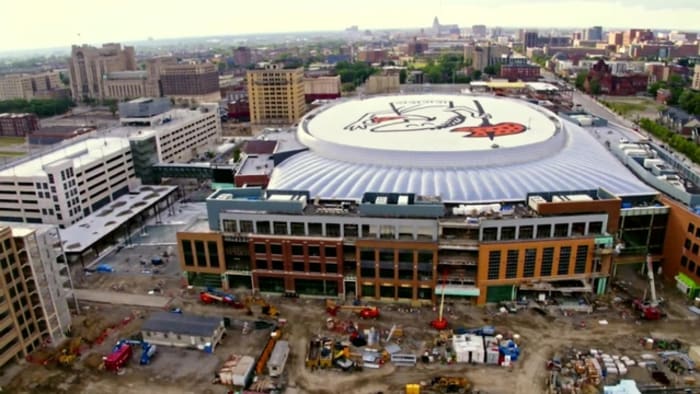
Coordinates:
184 324
24 229
256 165
85 233
176 118
82 153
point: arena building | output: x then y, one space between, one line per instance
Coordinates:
404 197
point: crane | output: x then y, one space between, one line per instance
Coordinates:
649 310
441 323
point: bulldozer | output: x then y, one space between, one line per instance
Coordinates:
267 309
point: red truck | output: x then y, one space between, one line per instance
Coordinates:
211 296
118 358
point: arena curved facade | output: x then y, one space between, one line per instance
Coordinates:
458 147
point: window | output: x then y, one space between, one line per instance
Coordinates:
331 251
332 268
262 227
687 243
691 266
280 228
564 260
544 230
298 266
507 233
277 265
298 228
261 264
697 232
201 255
350 230
314 251
187 252
547 262
526 232
494 264
581 259
229 226
561 230
213 254
315 229
530 260
275 249
695 249
490 234
691 228
332 230
595 228
386 255
246 226
367 255
578 229
512 263
684 261
297 250
260 248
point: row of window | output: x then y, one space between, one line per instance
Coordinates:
541 231
530 262
690 265
198 255
692 229
297 266
296 250
331 229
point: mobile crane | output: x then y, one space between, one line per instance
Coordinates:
212 296
649 310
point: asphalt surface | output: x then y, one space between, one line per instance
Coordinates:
113 297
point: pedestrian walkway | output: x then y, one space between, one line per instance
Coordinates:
113 297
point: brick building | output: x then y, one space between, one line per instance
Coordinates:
18 125
614 84
520 72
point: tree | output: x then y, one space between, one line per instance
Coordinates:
653 89
476 75
236 155
64 78
403 74
581 80
594 86
492 70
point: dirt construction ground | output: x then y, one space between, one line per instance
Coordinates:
191 371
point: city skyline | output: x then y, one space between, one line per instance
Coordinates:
134 21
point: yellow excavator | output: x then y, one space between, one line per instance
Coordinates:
266 308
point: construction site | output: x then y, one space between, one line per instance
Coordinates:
183 339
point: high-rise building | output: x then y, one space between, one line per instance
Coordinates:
530 39
275 94
191 82
479 31
65 184
615 38
243 57
34 289
29 86
696 78
123 85
595 33
90 65
485 55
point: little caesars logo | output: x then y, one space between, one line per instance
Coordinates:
402 116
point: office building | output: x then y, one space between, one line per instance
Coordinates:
276 94
243 57
370 210
530 39
387 82
595 33
191 83
485 55
696 78
124 85
66 183
479 31
89 66
34 288
18 125
30 86
321 88
520 72
159 134
615 38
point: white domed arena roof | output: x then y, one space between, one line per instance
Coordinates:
462 148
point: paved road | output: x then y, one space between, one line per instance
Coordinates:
112 297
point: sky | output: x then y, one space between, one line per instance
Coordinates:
50 23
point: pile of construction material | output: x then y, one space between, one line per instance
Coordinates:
236 371
477 346
579 372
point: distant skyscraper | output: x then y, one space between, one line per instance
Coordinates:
479 31
530 39
191 82
595 33
275 94
242 56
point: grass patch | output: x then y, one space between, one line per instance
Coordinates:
11 154
624 108
9 141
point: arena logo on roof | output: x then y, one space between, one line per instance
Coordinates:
407 116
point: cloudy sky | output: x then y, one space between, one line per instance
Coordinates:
51 23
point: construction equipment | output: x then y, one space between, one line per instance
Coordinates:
441 323
275 335
211 296
267 309
649 310
451 384
148 350
365 312
118 358
313 354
